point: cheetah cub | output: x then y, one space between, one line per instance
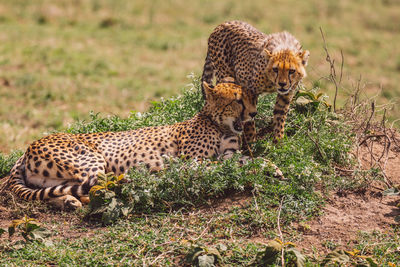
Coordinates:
61 168
260 63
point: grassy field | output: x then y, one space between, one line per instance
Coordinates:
61 59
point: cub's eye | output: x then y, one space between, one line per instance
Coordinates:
240 101
275 70
291 71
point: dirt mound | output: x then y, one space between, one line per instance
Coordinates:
346 214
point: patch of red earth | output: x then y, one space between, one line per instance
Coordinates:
346 215
67 225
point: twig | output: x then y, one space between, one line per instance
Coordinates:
280 232
343 170
316 144
370 136
333 69
370 117
387 181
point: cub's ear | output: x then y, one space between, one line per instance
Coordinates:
304 55
228 80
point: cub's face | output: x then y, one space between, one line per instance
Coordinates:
225 105
286 68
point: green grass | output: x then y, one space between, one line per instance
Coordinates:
170 213
61 59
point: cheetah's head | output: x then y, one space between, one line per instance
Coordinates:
286 68
225 106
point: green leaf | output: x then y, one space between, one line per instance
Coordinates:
371 262
301 100
222 247
336 257
270 254
300 258
109 194
125 211
31 226
206 261
40 234
193 254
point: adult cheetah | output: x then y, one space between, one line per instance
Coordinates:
61 168
259 63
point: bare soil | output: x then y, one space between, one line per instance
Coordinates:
348 213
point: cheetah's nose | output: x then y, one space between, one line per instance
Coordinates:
253 114
282 84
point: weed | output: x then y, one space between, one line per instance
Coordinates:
6 162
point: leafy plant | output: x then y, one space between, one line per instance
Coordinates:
105 198
304 97
29 228
347 258
203 256
275 249
6 162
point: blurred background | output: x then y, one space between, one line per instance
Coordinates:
61 59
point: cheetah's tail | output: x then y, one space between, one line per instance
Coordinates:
208 73
16 184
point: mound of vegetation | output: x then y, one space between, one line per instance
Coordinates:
316 141
178 211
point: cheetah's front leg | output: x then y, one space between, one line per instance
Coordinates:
249 134
280 113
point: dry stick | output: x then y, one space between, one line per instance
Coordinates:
280 232
333 69
370 117
323 155
371 136
387 181
388 139
357 93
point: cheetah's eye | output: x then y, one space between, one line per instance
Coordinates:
291 71
240 101
275 70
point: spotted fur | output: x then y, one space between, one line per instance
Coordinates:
61 168
260 63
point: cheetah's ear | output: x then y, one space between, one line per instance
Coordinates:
208 90
228 80
304 55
